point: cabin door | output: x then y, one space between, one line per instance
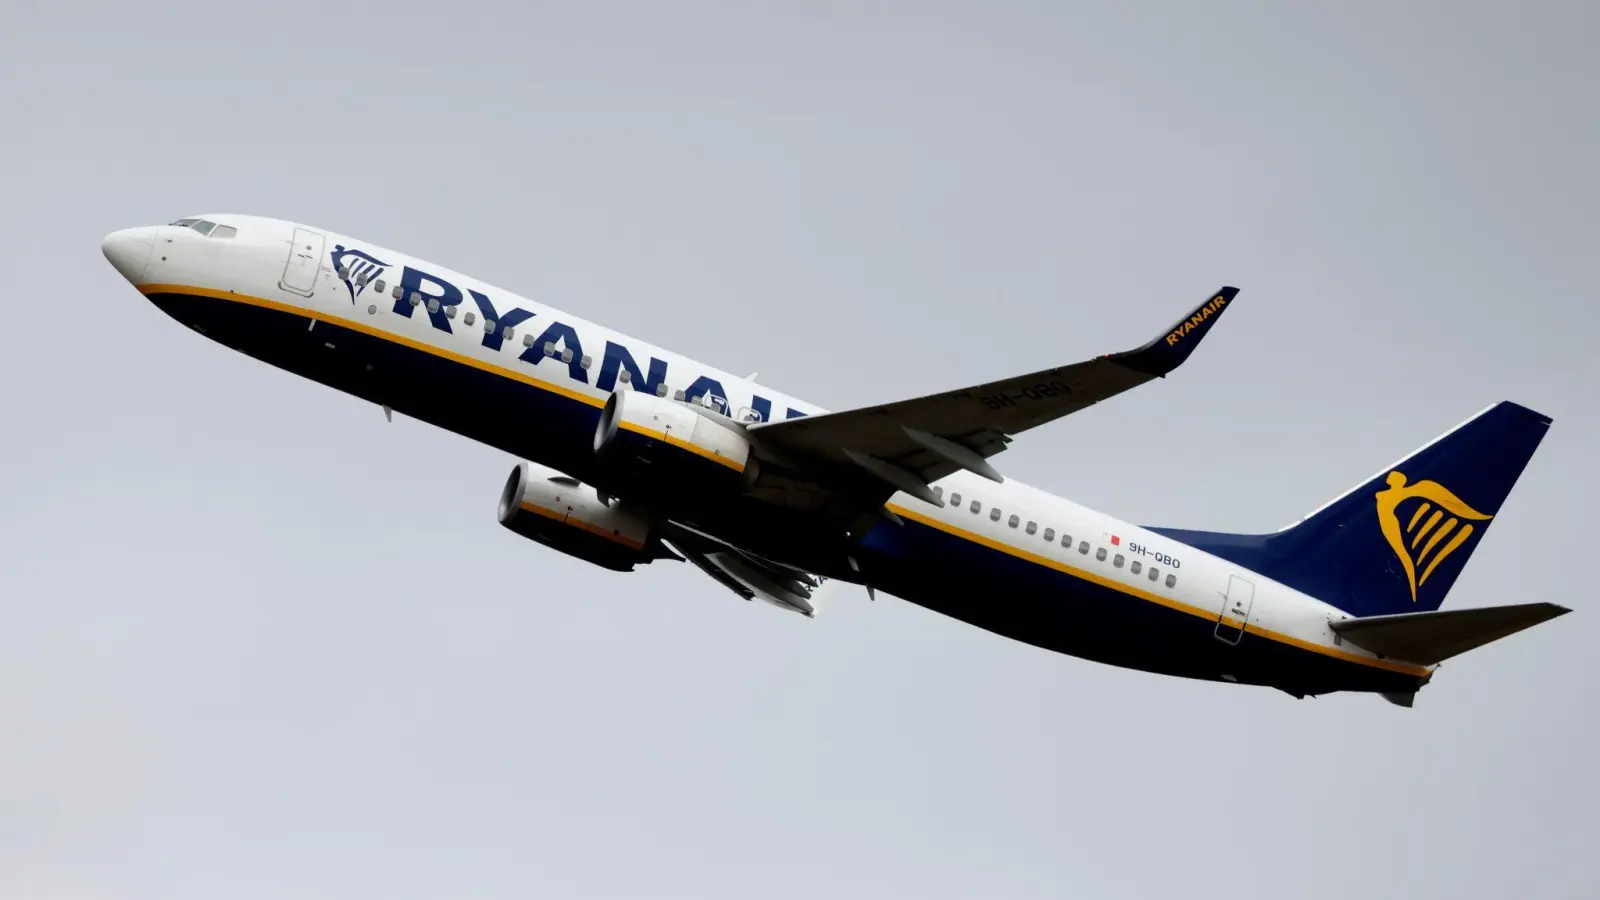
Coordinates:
305 258
1235 610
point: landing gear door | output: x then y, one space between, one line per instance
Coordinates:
1235 610
305 258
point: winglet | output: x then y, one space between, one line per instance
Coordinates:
1168 351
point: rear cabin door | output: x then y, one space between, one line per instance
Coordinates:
1235 610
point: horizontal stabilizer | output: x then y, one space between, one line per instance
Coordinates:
1431 637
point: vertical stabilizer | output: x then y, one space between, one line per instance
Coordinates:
1397 542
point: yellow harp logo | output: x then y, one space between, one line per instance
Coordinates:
1425 541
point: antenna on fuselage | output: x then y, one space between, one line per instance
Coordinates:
856 567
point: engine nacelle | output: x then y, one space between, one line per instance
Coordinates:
560 512
655 447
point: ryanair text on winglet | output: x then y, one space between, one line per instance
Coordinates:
1193 322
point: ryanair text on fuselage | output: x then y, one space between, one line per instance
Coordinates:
558 343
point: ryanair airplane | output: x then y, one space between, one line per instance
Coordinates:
636 454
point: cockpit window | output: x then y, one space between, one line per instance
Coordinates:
206 227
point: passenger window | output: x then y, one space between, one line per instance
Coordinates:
1172 579
1083 548
677 395
1100 555
566 355
416 299
433 304
449 311
976 506
376 285
1013 522
939 492
1154 573
1049 535
1135 566
623 376
468 318
955 500
398 292
1117 561
1032 527
586 362
661 389
550 350
994 514
508 332
203 226
1066 541
527 340
488 326
228 231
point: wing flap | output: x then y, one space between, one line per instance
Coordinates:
749 576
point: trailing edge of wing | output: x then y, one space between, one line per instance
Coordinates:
1431 637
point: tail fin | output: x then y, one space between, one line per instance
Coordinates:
1397 542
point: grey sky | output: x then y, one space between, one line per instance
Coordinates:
257 643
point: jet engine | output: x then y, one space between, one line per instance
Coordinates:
560 512
654 446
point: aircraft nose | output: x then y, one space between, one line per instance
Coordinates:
129 251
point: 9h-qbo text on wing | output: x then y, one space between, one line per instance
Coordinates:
639 454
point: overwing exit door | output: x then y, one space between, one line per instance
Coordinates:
305 258
1235 610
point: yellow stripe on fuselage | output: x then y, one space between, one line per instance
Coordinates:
525 378
357 325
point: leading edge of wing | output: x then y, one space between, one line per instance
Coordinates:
1169 350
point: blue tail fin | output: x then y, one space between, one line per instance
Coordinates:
1396 543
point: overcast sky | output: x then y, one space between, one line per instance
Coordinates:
257 643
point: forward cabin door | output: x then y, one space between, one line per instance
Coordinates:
1235 610
305 258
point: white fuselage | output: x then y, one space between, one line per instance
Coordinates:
295 271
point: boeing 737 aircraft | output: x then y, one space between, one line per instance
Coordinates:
637 454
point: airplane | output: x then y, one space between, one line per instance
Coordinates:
631 454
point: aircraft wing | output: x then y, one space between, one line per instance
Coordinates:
912 442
